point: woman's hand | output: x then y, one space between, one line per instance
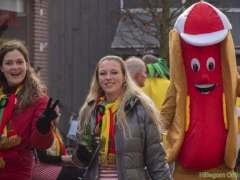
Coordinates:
43 123
67 158
83 154
67 161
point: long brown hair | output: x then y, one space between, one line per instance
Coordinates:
32 88
129 90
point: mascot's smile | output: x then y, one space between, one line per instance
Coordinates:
205 88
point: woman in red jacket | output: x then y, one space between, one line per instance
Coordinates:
23 121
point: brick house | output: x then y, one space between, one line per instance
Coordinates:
27 21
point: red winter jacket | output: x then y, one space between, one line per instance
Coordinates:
18 160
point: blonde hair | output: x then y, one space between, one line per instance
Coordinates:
32 88
129 90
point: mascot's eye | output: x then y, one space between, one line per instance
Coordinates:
195 65
210 64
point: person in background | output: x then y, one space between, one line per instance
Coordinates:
55 163
156 84
137 70
25 113
125 123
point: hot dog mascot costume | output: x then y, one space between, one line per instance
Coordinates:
200 109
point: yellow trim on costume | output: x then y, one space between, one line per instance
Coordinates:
187 122
238 101
225 112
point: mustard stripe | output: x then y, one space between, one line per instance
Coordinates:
225 112
187 122
3 95
104 136
58 149
18 89
105 130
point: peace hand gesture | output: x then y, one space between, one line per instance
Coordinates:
49 111
43 123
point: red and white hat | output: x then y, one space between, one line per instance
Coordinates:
202 24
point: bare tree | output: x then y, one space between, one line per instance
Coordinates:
148 22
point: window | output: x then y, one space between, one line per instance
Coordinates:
13 20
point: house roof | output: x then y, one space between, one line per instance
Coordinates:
132 37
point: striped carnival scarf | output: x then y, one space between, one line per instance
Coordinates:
57 148
9 137
105 127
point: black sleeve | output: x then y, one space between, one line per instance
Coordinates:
45 158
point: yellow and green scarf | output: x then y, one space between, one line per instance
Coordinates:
105 126
9 137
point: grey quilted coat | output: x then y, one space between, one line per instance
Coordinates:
141 157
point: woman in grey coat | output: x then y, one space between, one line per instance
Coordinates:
119 132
